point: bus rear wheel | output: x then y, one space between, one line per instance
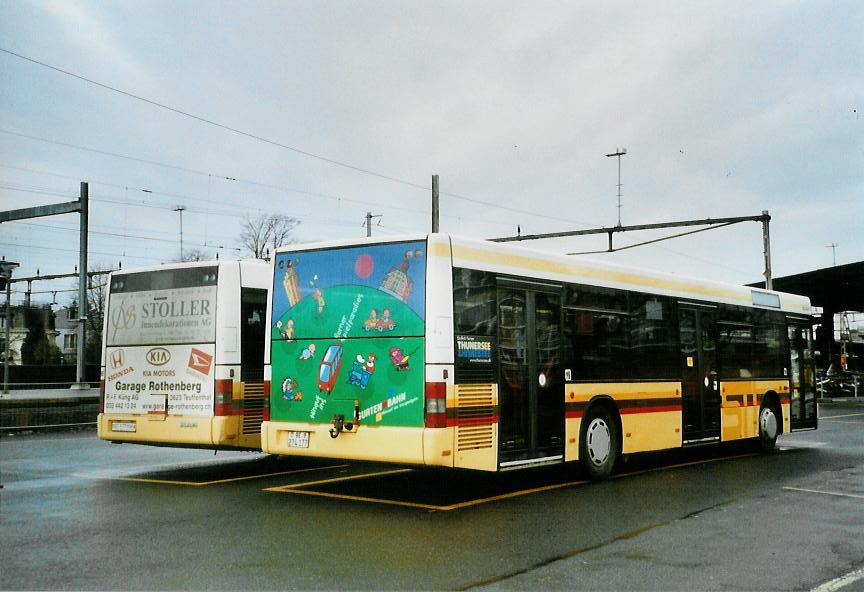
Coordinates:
598 444
769 428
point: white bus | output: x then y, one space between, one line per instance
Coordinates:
182 360
442 351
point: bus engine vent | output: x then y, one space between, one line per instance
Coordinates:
253 407
475 416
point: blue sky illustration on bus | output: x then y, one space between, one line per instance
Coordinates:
350 292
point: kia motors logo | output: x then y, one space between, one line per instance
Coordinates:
158 356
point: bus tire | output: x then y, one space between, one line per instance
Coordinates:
769 427
598 444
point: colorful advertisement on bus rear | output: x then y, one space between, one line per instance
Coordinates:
347 335
146 379
180 315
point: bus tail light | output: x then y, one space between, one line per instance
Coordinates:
224 396
266 414
436 404
101 396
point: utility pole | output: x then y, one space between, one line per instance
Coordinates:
435 210
180 209
833 247
82 286
766 249
619 152
368 223
6 268
81 206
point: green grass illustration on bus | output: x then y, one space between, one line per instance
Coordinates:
347 335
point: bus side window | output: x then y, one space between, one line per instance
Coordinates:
475 302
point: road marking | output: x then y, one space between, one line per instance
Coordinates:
836 493
358 498
840 421
283 488
202 483
840 582
839 416
297 488
686 464
795 445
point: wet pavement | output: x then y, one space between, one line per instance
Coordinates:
79 513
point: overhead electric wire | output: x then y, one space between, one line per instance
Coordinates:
280 144
215 123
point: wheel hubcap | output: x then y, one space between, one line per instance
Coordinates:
599 441
768 423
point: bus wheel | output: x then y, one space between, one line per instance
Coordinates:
768 428
598 444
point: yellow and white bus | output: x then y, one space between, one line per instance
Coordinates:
183 355
442 351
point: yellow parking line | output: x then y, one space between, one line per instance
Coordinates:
285 488
835 493
358 498
202 483
521 492
297 488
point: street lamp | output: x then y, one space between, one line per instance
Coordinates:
6 268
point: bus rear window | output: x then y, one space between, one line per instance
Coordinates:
364 291
162 307
164 279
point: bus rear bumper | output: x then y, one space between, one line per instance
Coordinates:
191 430
376 443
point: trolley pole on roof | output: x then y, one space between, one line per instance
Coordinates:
435 211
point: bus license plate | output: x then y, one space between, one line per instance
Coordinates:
123 426
298 439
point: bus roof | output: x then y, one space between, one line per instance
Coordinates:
521 261
188 264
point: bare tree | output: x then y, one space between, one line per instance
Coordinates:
266 233
196 255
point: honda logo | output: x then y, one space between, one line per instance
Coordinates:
117 358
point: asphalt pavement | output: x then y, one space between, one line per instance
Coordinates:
79 513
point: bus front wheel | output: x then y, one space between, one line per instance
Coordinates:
769 428
598 444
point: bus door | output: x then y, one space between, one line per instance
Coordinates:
802 374
700 394
531 387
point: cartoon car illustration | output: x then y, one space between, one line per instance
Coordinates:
384 322
329 368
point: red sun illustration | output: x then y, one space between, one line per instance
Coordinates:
363 266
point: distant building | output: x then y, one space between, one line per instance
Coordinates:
66 326
18 328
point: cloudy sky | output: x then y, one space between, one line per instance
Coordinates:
339 108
